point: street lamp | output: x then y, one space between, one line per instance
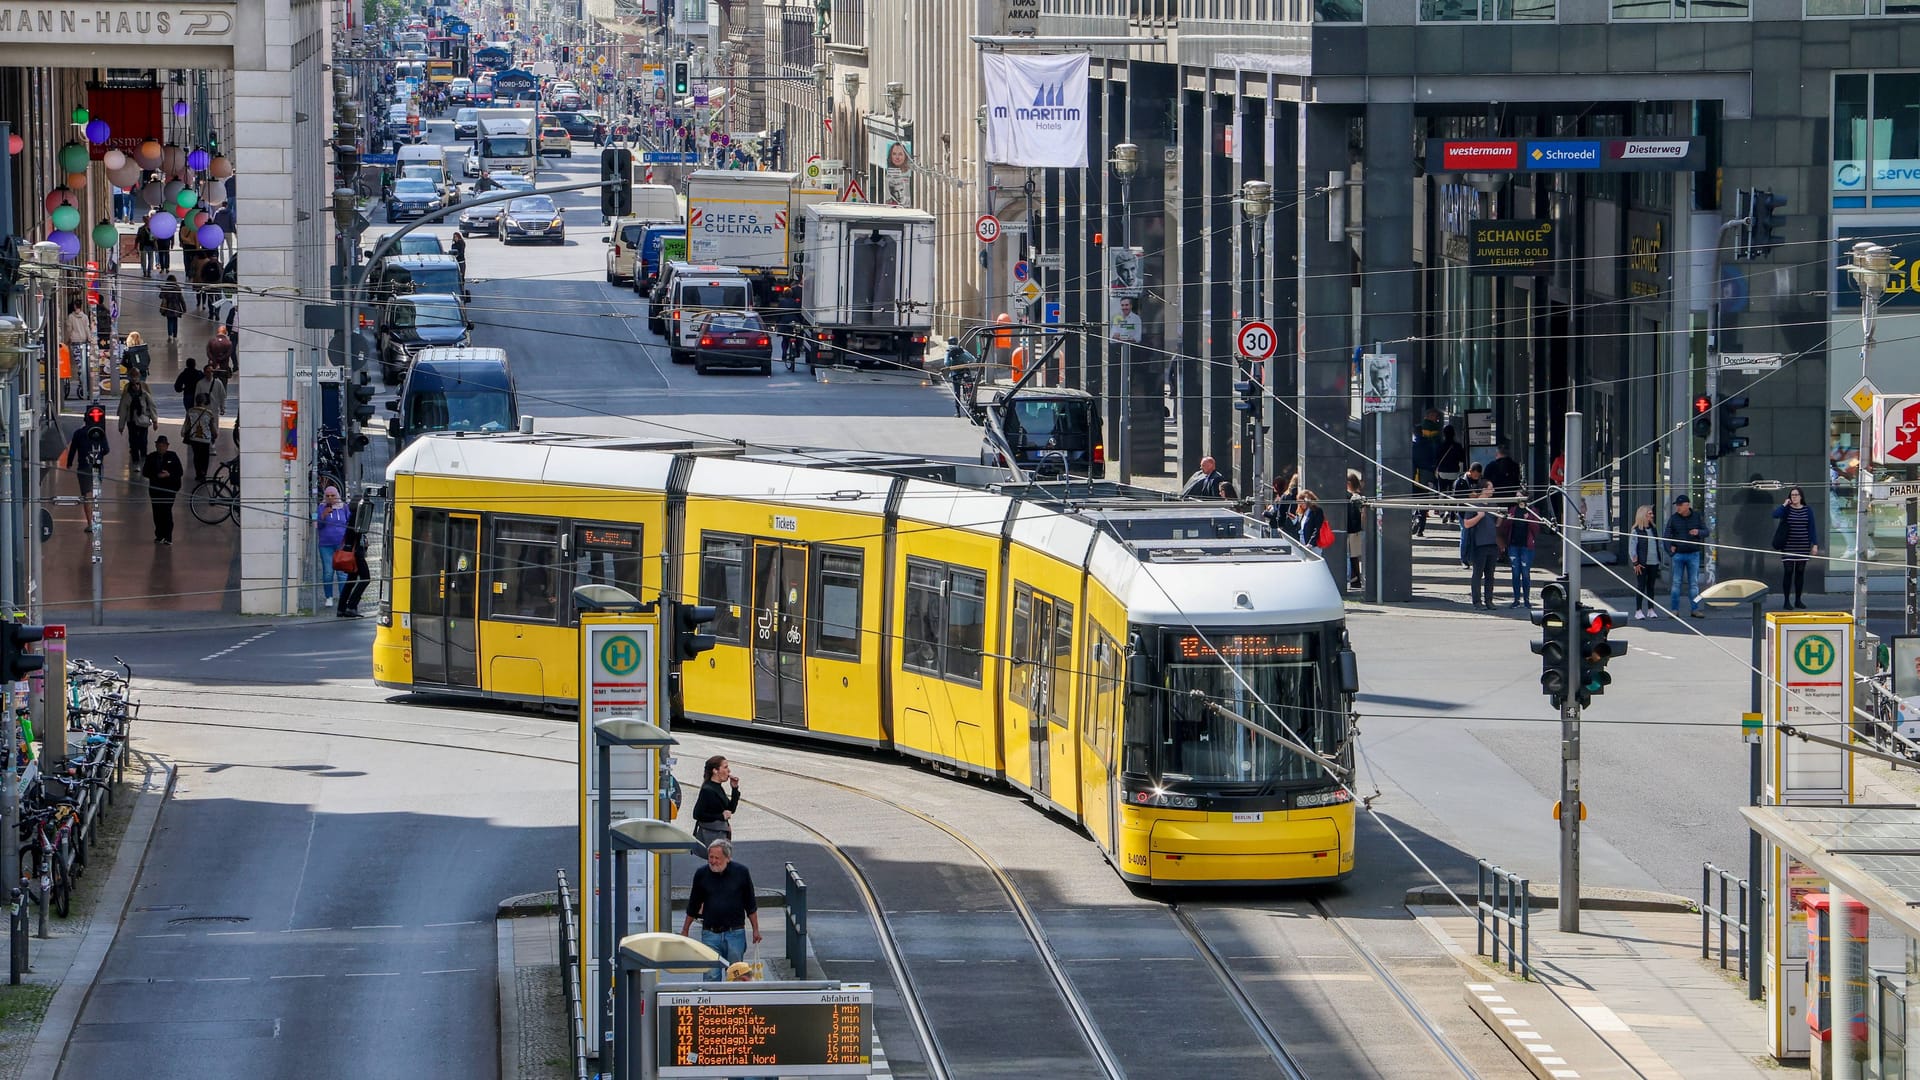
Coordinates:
1731 594
1256 202
608 734
1125 163
639 834
896 93
1871 265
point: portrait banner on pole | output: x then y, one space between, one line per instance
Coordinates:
1036 110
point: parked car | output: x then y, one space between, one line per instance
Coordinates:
413 322
590 126
533 218
732 339
555 142
484 220
413 197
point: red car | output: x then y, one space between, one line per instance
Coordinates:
734 339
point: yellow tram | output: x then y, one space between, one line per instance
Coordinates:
1093 652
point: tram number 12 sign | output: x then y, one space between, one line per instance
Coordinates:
1256 341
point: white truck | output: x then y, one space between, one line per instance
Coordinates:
505 141
739 219
867 296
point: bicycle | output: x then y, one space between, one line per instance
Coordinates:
217 498
46 860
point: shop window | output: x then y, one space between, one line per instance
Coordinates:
1876 134
524 582
1627 10
1828 9
723 583
1849 126
1339 11
836 594
1488 10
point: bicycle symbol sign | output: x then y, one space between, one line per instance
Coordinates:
620 655
1814 654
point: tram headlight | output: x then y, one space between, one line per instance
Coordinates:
1323 798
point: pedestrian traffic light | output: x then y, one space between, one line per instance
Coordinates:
1595 650
616 182
1731 421
1764 232
1555 644
1703 417
684 625
1248 400
16 662
682 80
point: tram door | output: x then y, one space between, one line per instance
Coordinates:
446 599
1044 684
779 634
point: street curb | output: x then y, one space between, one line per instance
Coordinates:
507 988
1547 895
80 629
533 903
63 1012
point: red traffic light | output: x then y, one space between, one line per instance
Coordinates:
1702 405
1599 622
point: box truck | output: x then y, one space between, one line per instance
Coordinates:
867 295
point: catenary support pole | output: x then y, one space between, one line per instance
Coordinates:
1571 527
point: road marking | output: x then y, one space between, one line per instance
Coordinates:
297 976
308 930
236 646
368 974
382 926
469 922
228 978
450 971
230 933
161 935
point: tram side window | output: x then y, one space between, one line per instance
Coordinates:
607 555
723 578
836 592
1020 672
1103 683
946 621
921 636
1062 660
966 625
525 583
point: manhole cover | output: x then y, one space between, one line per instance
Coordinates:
184 920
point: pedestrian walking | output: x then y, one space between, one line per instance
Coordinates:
354 543
1796 538
1481 534
1309 525
460 252
136 357
1519 534
219 352
332 517
173 304
1685 535
1356 527
86 453
1503 471
200 431
1205 483
1450 462
187 383
143 243
163 256
721 897
1426 461
713 808
163 472
216 391
1466 486
137 415
1644 548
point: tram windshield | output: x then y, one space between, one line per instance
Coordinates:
1279 681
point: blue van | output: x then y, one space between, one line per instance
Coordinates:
458 389
648 267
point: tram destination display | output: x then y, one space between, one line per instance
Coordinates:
812 1032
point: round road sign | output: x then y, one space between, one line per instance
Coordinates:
1256 341
1021 270
986 228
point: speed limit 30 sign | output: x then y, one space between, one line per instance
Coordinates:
1256 341
986 228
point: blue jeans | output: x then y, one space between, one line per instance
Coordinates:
1520 561
730 944
1686 580
328 575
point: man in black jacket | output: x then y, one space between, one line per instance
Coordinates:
1503 471
1685 536
721 897
163 472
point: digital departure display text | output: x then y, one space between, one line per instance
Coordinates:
1241 647
609 539
789 1034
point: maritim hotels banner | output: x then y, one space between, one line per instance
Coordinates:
1036 110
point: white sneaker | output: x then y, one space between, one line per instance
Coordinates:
1639 615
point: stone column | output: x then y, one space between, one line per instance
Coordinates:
1389 299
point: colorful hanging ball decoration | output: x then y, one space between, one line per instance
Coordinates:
220 168
198 219
76 180
105 235
162 226
81 115
57 198
180 109
215 195
187 197
65 218
211 236
98 131
174 160
198 160
172 190
69 243
149 153
114 160
154 194
16 143
126 176
180 212
73 157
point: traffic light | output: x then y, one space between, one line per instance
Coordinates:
1555 644
566 54
684 625
1703 417
616 182
1764 234
1248 400
16 662
773 153
1729 422
682 81
362 410
1595 650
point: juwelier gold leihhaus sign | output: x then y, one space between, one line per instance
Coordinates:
1515 247
114 23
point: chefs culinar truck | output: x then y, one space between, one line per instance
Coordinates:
739 219
867 296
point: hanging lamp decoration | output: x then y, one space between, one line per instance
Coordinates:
98 132
198 160
105 235
69 243
180 108
73 157
162 225
65 218
211 236
81 115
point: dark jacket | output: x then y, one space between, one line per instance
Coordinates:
1644 548
1504 472
77 448
1675 534
722 901
1482 533
1356 513
1453 457
187 383
713 799
1521 526
1305 527
1203 485
1426 447
163 472
1781 532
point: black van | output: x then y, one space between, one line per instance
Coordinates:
398 275
464 389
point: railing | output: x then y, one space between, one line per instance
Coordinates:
1877 720
1728 918
796 923
570 976
1503 902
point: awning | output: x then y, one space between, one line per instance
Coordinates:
1872 853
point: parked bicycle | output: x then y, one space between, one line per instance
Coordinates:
217 498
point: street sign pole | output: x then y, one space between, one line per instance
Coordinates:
1570 530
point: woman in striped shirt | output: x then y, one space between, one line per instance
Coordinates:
1796 538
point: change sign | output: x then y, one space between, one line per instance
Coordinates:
1516 248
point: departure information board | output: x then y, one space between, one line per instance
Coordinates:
815 1032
